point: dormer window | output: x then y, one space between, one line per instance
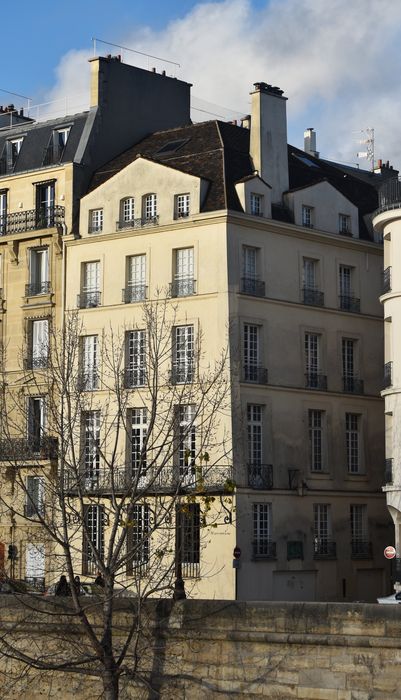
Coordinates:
307 216
150 207
344 224
256 204
181 206
56 146
95 221
10 155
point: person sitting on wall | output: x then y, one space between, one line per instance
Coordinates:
63 587
99 580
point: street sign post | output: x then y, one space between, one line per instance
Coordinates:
390 552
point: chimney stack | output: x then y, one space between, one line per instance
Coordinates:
310 142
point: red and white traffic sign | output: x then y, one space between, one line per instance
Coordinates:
390 552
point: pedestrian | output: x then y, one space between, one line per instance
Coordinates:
99 580
62 587
77 585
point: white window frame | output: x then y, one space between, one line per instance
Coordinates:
89 364
250 260
39 270
344 224
316 422
34 496
256 201
39 343
353 442
127 211
182 206
307 216
3 212
309 273
136 277
138 458
94 520
37 421
135 365
251 351
183 354
150 206
95 220
262 530
91 284
187 444
138 539
322 522
91 447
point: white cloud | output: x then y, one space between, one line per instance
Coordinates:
335 61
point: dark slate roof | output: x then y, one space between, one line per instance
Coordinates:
37 137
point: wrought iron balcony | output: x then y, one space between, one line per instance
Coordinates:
28 449
37 361
389 195
388 470
190 569
134 377
254 374
260 476
133 293
263 549
252 286
88 381
324 549
183 287
361 549
97 481
350 303
53 154
182 372
386 285
312 297
315 380
32 220
34 289
388 375
89 300
122 224
352 385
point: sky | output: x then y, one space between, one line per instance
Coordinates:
338 62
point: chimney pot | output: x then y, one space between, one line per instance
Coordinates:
163 72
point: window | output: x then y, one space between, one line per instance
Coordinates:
309 273
90 374
183 369
181 206
347 300
360 546
13 151
139 429
135 369
253 372
316 421
127 213
256 204
344 224
351 383
189 541
38 353
90 296
323 545
56 146
95 221
184 283
260 476
91 448
307 216
314 378
3 213
352 440
138 538
38 272
93 539
310 291
263 547
186 445
136 279
250 283
34 496
150 207
45 209
36 422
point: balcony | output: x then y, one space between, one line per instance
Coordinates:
388 375
36 362
183 287
89 300
28 449
352 385
253 287
389 196
121 224
324 549
135 377
182 373
190 569
35 289
315 380
260 476
349 303
386 283
32 220
263 549
361 549
388 470
254 374
133 293
312 297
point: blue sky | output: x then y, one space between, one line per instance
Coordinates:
336 61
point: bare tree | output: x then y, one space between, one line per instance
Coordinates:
113 469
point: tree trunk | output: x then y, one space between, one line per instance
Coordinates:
110 685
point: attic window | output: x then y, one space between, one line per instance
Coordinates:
171 147
306 161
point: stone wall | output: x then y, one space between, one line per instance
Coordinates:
222 649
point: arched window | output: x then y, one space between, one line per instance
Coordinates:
127 212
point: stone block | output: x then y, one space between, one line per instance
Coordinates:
318 678
317 693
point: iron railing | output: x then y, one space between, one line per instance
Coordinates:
386 284
350 303
388 470
190 569
388 375
312 297
352 385
316 380
361 549
263 549
36 362
135 376
254 374
32 220
34 510
88 381
324 549
36 288
260 476
389 195
253 287
182 372
37 582
89 300
183 287
121 224
19 449
135 292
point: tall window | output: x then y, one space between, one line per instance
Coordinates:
250 262
95 221
256 204
359 523
348 348
186 445
38 272
183 354
182 206
316 421
34 496
136 278
138 544
307 216
189 541
45 199
312 345
184 283
90 370
56 146
139 429
345 280
263 547
3 213
150 207
352 438
323 545
309 273
90 295
344 224
127 212
255 434
135 369
91 447
251 352
38 355
13 148
36 422
93 538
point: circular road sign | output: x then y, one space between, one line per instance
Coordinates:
389 552
237 552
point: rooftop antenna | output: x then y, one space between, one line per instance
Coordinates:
369 142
